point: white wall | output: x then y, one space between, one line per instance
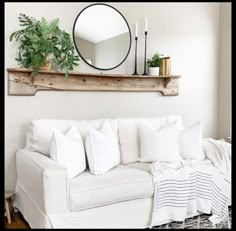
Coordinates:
188 32
111 52
224 129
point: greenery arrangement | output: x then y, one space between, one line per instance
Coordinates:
41 38
155 61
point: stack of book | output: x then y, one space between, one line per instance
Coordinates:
165 66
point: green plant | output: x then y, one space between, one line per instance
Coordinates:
155 61
38 39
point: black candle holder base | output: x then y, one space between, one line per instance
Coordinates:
145 69
135 63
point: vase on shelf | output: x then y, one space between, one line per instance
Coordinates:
153 70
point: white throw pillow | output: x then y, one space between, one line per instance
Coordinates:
68 151
102 149
190 142
159 145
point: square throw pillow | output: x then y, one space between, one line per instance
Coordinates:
102 149
159 145
190 142
68 151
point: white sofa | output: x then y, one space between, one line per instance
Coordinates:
120 198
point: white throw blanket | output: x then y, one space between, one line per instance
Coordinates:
219 153
186 188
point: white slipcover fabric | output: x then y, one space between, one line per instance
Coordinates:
128 130
190 142
102 149
31 212
45 196
146 167
127 214
129 140
41 131
117 215
43 180
120 184
68 150
159 144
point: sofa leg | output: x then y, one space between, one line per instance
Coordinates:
183 224
8 211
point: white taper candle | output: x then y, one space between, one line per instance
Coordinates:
146 24
136 30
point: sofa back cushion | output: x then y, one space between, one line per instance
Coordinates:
127 130
41 131
129 134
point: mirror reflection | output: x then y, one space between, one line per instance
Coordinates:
102 36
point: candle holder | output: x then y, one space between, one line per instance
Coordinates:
145 69
135 62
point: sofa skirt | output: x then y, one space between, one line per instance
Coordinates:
128 214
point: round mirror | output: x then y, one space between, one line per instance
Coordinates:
102 36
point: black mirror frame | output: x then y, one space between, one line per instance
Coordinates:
103 69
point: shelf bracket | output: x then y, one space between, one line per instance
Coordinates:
167 81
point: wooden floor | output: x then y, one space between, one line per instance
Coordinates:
17 222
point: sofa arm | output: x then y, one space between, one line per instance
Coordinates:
43 180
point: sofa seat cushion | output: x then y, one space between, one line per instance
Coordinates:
119 184
146 167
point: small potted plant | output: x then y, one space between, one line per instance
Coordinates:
154 64
42 42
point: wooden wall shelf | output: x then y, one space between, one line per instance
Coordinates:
23 82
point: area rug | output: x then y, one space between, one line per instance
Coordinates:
192 223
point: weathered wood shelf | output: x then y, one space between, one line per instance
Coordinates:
24 82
